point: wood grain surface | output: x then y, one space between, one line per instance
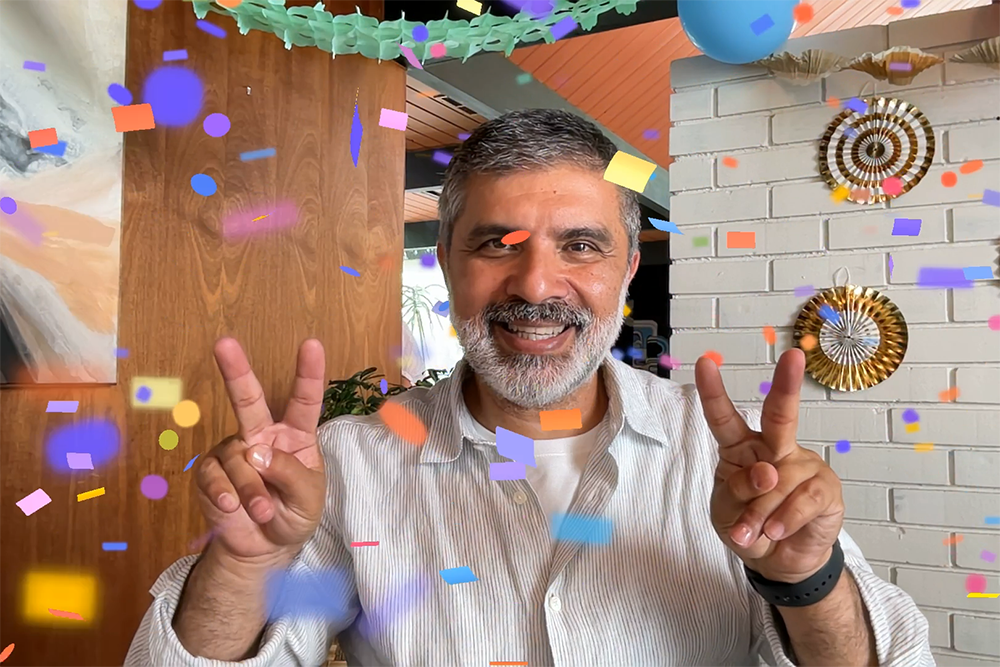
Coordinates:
183 286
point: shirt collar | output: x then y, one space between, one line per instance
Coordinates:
451 422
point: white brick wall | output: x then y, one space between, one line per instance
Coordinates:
901 504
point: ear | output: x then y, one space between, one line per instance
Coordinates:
633 265
442 257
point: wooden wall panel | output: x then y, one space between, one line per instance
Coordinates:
183 287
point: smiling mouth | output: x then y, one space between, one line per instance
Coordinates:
534 332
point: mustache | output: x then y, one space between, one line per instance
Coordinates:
551 311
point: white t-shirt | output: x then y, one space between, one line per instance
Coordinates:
560 463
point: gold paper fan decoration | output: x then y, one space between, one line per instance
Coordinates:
853 337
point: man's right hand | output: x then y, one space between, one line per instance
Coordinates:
262 490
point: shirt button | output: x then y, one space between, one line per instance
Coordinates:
555 604
520 497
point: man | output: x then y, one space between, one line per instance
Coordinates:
713 516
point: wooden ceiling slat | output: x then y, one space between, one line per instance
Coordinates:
449 117
427 130
438 124
627 59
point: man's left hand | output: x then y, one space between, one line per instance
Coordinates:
775 504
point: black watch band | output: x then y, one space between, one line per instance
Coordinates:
804 593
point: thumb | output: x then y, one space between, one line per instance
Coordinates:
299 486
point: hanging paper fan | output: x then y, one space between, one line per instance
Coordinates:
888 138
853 337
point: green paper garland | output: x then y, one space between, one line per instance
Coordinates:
356 33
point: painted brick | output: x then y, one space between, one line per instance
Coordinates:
978 142
954 104
907 263
975 222
683 375
920 305
718 206
690 105
691 312
773 164
683 247
927 32
718 277
807 124
949 426
847 83
693 173
883 572
952 344
865 502
950 659
908 384
743 384
735 348
884 464
874 230
806 198
952 509
977 304
831 424
718 135
701 70
930 190
818 271
939 626
969 552
760 311
975 468
848 43
944 588
977 634
979 384
775 237
913 546
965 72
763 94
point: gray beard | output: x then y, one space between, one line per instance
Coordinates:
537 381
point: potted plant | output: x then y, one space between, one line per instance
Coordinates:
361 394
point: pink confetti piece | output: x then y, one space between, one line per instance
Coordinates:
79 461
669 362
33 502
988 556
394 120
72 615
410 57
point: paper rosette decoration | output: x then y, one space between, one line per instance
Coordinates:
853 337
860 149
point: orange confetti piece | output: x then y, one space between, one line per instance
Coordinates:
833 102
515 237
741 240
769 336
948 395
971 167
714 356
802 13
43 138
403 423
730 162
6 652
924 446
952 540
133 117
949 179
860 195
894 11
807 342
72 615
561 420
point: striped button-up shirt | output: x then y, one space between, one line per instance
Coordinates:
664 591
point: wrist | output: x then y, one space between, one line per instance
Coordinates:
229 568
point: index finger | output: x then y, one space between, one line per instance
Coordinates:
726 424
245 392
779 418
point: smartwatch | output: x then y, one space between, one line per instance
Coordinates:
804 593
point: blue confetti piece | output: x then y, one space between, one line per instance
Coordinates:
204 185
991 197
762 25
100 438
843 446
563 28
906 227
383 385
665 225
617 354
829 314
458 575
324 594
992 520
143 394
507 470
356 132
189 464
249 156
58 149
909 4
211 29
178 54
978 273
854 104
942 277
32 64
441 308
420 33
516 446
62 406
579 528
120 94
348 270
114 546
890 266
121 352
910 416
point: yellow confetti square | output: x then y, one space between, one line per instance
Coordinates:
471 6
626 310
924 446
87 495
840 194
629 171
65 591
154 393
912 428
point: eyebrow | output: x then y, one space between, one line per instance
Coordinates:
595 233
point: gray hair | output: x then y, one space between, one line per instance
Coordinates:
524 140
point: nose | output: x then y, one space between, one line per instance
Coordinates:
537 275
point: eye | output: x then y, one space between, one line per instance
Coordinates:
580 246
496 244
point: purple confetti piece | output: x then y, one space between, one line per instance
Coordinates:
988 556
890 266
441 157
507 471
410 57
991 197
564 27
121 353
441 308
765 387
356 132
427 260
762 25
420 33
856 105
349 271
120 94
62 406
179 54
909 4
383 385
25 225
850 133
211 29
463 136
906 227
651 134
805 290
900 67
515 446
34 65
79 461
942 277
843 446
910 416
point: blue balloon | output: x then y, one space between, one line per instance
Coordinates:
737 31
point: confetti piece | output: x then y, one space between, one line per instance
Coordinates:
153 487
33 502
992 520
699 241
651 135
79 461
190 463
10 647
120 94
394 120
860 195
62 406
458 575
714 356
441 157
746 240
147 4
40 138
561 420
204 185
508 470
802 13
565 26
909 4
438 50
186 413
840 194
900 67
8 205
243 222
365 544
843 446
357 131
470 6
583 529
626 310
668 362
87 495
410 57
58 149
629 171
48 588
805 290
978 272
515 446
168 439
807 342
211 29
665 226
441 308
827 312
971 167
515 237
856 105
940 277
911 428
949 179
833 102
975 583
769 336
348 270
890 266
924 447
892 186
216 124
114 546
403 423
762 25
994 323
383 385
249 156
765 387
991 197
179 54
910 415
34 65
730 162
133 117
948 541
982 595
906 227
462 136
988 556
894 11
72 615
420 33
948 395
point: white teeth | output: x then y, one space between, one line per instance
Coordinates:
536 333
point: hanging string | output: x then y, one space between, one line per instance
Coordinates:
846 282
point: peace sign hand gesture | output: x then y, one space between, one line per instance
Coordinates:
262 490
775 504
